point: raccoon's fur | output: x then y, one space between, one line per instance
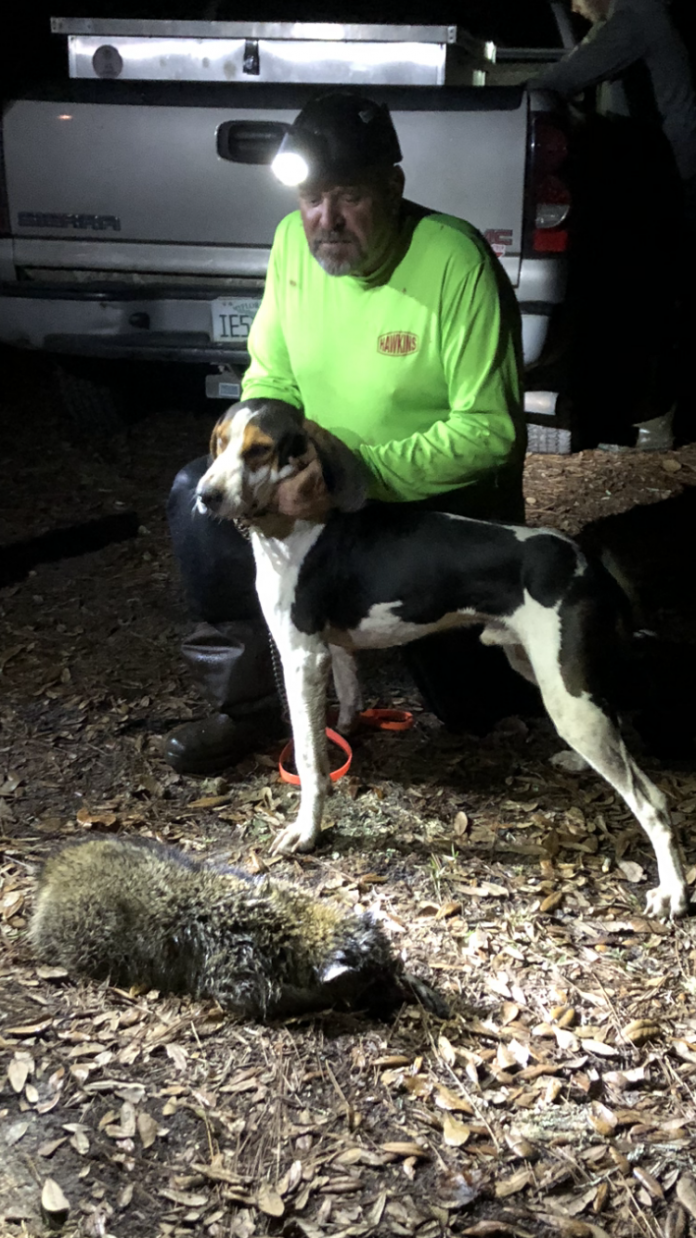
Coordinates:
136 912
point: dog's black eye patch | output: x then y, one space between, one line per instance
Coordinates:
256 446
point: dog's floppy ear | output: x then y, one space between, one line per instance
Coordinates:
292 446
285 424
344 473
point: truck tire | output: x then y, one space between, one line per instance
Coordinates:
94 408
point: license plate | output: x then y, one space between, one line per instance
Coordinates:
232 318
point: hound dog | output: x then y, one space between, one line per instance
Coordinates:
371 577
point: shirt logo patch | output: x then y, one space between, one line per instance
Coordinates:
397 343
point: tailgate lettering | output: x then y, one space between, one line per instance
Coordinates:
46 219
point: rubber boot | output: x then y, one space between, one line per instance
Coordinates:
232 665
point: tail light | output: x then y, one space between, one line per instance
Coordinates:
548 193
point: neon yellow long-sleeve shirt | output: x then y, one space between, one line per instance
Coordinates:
417 371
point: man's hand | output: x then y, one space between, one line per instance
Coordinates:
304 496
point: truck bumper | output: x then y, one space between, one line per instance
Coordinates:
155 324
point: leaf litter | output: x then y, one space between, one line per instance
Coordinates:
559 1096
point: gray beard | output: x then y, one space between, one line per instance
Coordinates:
333 264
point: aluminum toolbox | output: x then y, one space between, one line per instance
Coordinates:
291 52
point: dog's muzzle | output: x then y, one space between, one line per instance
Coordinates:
209 500
212 500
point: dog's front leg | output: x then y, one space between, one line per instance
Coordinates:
347 685
305 671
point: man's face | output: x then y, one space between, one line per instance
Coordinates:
592 10
349 227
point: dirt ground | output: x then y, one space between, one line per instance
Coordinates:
558 1099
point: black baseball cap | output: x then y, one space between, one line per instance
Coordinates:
334 137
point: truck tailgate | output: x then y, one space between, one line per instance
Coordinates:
147 177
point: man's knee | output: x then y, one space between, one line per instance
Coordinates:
182 493
215 561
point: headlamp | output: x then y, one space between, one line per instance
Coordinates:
336 137
291 165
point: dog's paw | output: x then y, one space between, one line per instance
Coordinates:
295 837
347 721
667 902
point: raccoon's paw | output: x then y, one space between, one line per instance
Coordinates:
428 997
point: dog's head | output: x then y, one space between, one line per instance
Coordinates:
257 444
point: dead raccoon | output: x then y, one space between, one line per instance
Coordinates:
136 912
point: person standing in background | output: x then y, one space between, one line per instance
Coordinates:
635 175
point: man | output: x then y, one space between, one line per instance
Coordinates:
634 211
396 329
637 59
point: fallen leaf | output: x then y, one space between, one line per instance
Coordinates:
551 902
47 1149
675 1223
455 1133
597 1046
178 1055
15 1132
18 1072
29 1029
602 1118
578 1203
514 1183
519 1146
405 1149
147 1129
458 1188
640 1030
446 1051
569 761
600 1200
686 1193
650 1183
446 1099
417 1085
627 1078
504 1058
447 909
494 890
269 1201
508 1013
499 985
86 817
79 1141
210 801
632 871
488 1229
54 1205
461 825
292 1178
566 1040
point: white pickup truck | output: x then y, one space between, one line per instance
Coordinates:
137 207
